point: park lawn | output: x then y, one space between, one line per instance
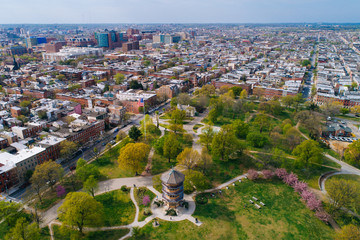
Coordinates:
70 234
118 208
222 171
224 217
108 165
139 199
310 175
160 164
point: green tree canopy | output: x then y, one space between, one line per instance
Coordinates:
134 157
307 153
134 133
80 209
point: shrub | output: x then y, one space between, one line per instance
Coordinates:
146 200
323 216
186 205
290 179
300 187
159 203
201 199
124 188
306 195
256 139
314 204
252 174
268 174
147 211
171 212
60 191
281 173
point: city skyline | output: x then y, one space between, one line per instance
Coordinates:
166 11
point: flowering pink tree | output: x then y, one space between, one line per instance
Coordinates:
268 174
290 179
281 173
300 187
146 200
306 195
252 174
314 204
323 216
60 191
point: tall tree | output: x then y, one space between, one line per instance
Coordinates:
84 170
48 172
352 153
8 210
80 209
241 128
67 148
189 158
134 157
342 193
262 121
171 147
307 153
23 231
206 159
91 185
134 133
224 143
206 136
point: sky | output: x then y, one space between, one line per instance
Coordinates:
179 11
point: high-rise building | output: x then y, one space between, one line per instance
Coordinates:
109 39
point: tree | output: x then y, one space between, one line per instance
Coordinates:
252 174
171 147
134 133
331 108
206 159
91 185
262 121
23 231
292 138
8 211
135 85
287 100
79 210
67 148
241 128
355 109
84 170
348 232
343 193
206 136
195 180
224 143
119 78
134 157
243 94
157 114
48 172
96 152
183 99
256 139
120 136
344 111
189 158
61 77
308 152
25 104
352 153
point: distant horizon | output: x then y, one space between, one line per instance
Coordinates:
181 12
182 23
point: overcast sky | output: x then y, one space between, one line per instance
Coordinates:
178 11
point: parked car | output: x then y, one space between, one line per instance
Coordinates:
72 168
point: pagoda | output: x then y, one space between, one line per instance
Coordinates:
173 188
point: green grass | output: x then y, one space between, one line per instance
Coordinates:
139 199
160 164
357 119
118 208
332 153
108 166
222 171
69 234
224 217
197 126
309 175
